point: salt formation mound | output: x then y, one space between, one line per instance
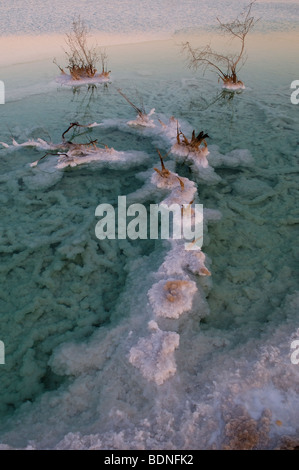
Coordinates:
197 157
194 149
204 172
38 144
77 154
154 356
108 155
182 189
173 297
169 130
143 120
233 86
237 157
155 127
178 260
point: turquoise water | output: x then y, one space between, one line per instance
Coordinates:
72 306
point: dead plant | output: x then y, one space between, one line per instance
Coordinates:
141 111
226 66
82 58
74 148
195 142
165 173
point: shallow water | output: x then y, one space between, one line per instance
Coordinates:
72 306
139 15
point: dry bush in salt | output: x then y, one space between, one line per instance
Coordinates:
227 66
83 58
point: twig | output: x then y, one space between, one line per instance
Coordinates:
139 111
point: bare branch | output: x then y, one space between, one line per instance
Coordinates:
75 124
60 68
139 111
164 172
